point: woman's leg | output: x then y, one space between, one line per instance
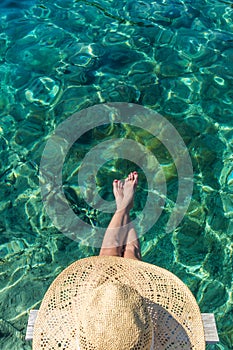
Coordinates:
116 232
120 233
132 248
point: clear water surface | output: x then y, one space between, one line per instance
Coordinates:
60 56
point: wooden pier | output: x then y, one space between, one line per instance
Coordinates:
210 329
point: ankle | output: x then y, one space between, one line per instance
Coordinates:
124 211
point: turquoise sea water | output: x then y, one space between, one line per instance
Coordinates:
59 57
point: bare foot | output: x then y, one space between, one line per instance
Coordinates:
124 192
129 190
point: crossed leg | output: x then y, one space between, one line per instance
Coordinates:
120 238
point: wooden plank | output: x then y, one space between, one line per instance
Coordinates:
210 329
30 326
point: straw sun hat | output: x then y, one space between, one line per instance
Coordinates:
113 303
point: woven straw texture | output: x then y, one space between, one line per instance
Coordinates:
66 312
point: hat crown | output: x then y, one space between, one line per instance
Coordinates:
115 317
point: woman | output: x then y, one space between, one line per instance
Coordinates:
109 303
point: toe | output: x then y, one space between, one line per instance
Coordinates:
121 184
115 183
135 174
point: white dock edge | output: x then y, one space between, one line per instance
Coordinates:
211 334
30 326
210 329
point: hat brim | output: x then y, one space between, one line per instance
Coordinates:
175 314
